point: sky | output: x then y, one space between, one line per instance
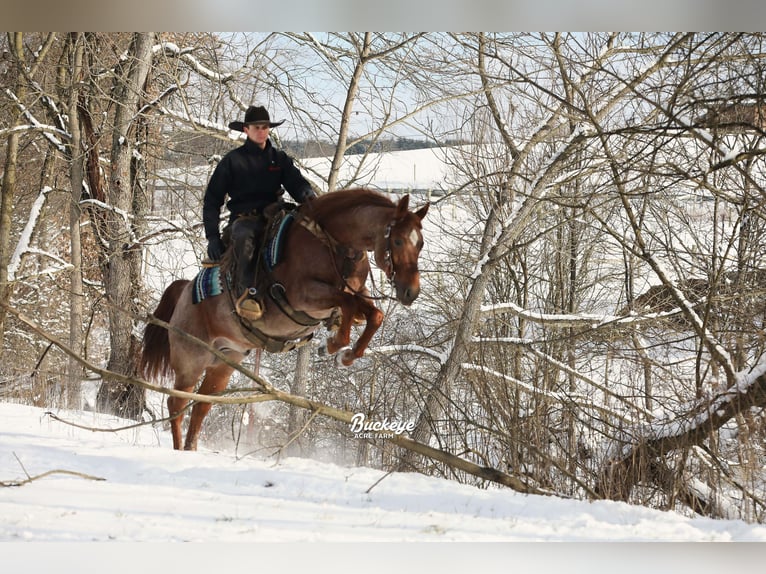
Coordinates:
130 486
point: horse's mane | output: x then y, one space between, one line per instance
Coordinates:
344 200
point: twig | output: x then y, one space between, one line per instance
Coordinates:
21 464
377 482
43 475
296 434
48 473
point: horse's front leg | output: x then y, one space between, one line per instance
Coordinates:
342 337
374 317
352 306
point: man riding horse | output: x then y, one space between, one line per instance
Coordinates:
253 176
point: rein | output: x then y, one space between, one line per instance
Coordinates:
351 254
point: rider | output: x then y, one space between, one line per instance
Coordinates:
253 176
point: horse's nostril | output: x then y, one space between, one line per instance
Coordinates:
409 295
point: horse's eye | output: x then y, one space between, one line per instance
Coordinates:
398 242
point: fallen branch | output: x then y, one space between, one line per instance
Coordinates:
270 393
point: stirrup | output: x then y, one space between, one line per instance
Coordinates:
247 307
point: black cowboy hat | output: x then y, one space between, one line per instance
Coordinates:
254 115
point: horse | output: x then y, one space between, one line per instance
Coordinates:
321 278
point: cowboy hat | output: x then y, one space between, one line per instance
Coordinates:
254 115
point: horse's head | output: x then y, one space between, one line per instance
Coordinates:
399 249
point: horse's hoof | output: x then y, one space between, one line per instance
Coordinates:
345 357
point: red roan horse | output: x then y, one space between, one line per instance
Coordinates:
323 272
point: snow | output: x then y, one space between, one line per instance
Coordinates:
25 238
425 169
145 491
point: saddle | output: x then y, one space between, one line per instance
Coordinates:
267 252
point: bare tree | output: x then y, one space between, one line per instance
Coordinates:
120 281
76 51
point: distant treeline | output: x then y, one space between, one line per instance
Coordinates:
316 148
197 147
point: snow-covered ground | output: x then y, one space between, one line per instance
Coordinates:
147 492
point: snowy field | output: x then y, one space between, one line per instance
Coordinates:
130 486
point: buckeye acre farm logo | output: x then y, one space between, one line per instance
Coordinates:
363 428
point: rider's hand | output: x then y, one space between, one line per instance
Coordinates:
215 248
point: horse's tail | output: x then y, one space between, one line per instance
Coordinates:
155 352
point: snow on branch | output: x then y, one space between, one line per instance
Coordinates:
25 239
198 122
185 55
156 101
564 321
31 127
126 217
697 419
690 428
50 132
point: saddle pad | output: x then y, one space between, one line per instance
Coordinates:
207 283
274 250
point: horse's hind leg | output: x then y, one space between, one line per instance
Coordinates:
176 406
215 381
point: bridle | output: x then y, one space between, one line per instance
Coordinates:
388 257
354 256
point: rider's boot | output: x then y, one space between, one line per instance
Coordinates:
245 233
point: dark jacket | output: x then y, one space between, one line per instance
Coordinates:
252 178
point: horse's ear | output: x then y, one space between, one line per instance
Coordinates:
421 213
402 206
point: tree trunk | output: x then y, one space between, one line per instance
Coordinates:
9 185
297 417
438 396
76 296
124 399
345 120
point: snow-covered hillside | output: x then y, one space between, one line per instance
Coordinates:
131 486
